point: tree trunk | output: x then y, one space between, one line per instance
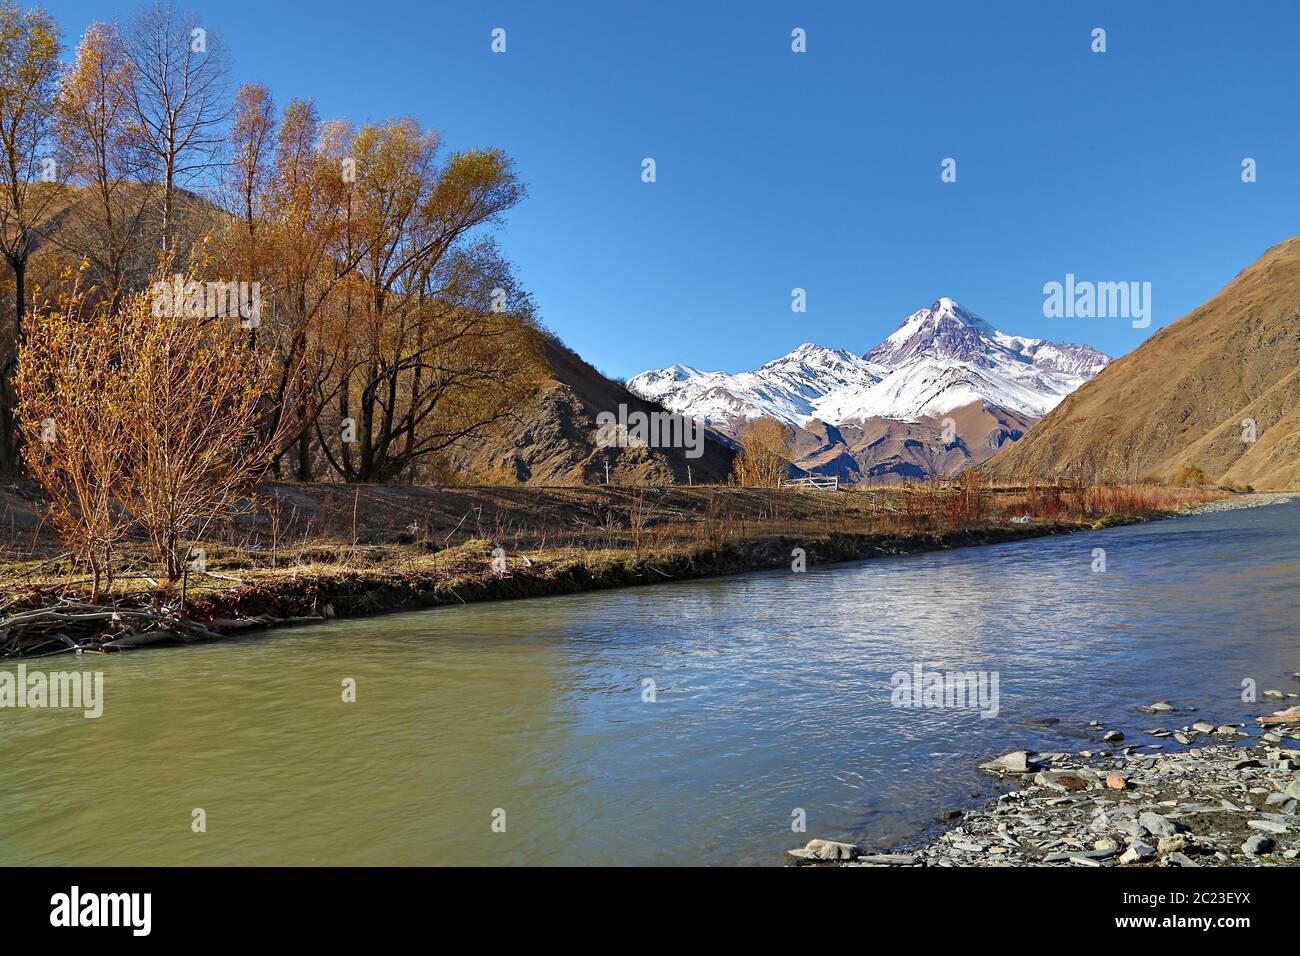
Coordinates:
10 437
304 447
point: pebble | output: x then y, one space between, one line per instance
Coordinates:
1015 762
1171 844
1157 825
1268 826
1137 852
888 859
1159 707
1083 809
1258 845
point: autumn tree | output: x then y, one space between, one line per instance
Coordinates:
1190 476
105 223
252 140
444 343
29 71
314 260
764 457
396 328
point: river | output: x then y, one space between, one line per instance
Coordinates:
772 698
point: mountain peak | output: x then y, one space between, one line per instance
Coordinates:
939 358
811 351
811 348
945 329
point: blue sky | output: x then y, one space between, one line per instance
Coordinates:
821 170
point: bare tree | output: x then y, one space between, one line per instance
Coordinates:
178 102
193 443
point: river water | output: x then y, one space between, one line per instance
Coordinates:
772 699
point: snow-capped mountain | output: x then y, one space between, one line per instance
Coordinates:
939 359
792 388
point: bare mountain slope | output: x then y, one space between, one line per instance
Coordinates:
885 450
554 440
1181 397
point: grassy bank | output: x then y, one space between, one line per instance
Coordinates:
312 552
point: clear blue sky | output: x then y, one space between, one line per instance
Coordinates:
821 170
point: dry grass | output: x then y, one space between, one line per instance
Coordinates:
552 530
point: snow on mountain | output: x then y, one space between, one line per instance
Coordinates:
938 359
791 388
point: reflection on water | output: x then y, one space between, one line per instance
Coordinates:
773 693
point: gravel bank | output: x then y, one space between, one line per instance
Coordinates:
1244 501
1231 799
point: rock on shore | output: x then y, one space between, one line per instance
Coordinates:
1222 804
1260 500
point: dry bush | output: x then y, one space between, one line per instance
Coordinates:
764 455
967 501
69 399
158 414
194 445
1190 476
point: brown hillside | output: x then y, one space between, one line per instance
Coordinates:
554 439
1180 398
881 450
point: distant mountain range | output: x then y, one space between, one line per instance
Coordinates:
882 414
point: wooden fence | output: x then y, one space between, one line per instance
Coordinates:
822 482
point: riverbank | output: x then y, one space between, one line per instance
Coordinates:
1262 500
291 563
387 580
1232 798
771 693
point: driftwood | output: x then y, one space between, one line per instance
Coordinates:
75 626
1289 716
